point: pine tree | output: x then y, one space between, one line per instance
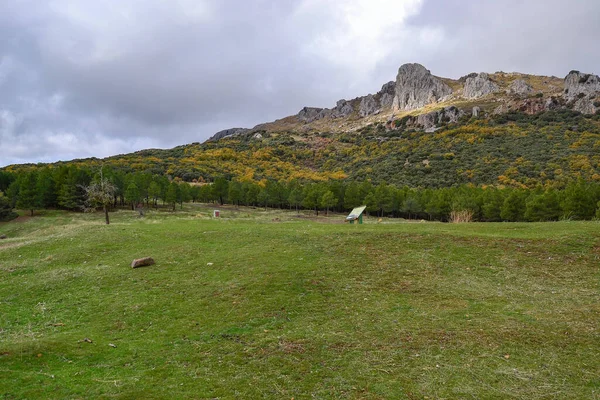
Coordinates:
327 201
171 195
28 199
352 196
132 194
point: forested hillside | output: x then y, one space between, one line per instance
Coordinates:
513 149
509 167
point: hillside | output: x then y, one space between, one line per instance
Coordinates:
420 130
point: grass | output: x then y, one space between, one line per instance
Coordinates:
265 305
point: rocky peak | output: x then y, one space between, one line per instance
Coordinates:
416 88
478 86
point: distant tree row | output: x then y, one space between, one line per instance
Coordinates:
68 187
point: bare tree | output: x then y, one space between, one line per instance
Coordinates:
100 193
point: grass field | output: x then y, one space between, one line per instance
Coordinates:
265 305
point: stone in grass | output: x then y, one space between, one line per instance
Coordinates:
142 262
2 237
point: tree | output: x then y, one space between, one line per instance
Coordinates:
263 197
46 189
542 206
184 193
100 193
411 206
6 178
132 194
383 198
352 197
513 207
328 200
493 199
171 195
251 191
28 199
235 193
579 200
295 198
154 192
220 187
312 195
195 193
71 195
6 212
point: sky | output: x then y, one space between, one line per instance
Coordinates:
87 78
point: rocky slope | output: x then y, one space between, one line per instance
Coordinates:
424 101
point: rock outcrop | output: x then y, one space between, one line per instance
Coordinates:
476 111
310 114
520 88
582 89
368 106
386 94
343 108
578 84
479 86
416 88
434 119
228 132
585 105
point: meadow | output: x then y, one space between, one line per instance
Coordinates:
265 304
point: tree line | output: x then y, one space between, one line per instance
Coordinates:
68 187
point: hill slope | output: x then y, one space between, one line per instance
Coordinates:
421 130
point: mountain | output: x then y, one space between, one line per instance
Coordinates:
427 99
501 129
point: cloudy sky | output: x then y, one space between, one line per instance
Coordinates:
82 78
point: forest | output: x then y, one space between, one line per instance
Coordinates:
65 187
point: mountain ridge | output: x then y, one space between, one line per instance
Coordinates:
416 91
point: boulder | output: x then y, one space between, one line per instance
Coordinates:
450 114
476 111
368 106
479 86
416 88
428 120
520 88
142 262
2 237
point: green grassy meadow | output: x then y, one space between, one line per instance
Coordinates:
267 305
